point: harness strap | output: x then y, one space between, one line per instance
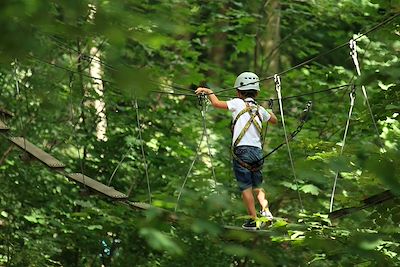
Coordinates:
251 121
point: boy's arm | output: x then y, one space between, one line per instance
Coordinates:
273 119
213 98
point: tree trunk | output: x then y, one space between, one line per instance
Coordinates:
271 62
99 104
217 51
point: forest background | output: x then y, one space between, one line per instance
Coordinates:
107 88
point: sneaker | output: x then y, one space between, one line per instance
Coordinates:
267 214
250 224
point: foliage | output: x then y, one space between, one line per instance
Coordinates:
145 50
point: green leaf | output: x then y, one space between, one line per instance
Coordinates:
160 241
236 250
95 227
309 188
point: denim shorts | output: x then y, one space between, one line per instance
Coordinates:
244 177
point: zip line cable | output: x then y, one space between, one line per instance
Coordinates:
108 66
340 87
374 28
172 93
70 70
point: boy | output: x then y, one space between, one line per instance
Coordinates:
247 142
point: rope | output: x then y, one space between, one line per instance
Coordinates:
15 77
352 99
364 91
18 96
203 115
117 167
339 87
278 90
303 120
191 167
353 54
142 150
70 70
173 93
350 83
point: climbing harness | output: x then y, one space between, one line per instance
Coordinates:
352 99
277 80
254 112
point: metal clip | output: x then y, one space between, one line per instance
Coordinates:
306 110
352 95
270 103
277 81
353 54
309 105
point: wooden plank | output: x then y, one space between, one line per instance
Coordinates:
144 206
3 126
5 113
36 152
95 185
140 205
239 228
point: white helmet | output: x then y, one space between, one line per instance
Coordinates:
247 81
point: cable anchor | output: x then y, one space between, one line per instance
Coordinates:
353 54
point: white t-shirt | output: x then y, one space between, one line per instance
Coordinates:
252 136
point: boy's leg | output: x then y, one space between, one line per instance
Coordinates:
261 198
263 203
248 200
